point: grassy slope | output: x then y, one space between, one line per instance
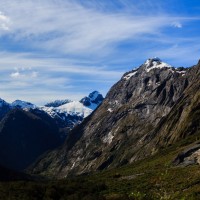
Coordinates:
152 178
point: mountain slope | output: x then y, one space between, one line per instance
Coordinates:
183 120
4 108
65 113
25 136
22 104
128 124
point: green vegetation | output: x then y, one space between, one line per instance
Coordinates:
72 189
152 178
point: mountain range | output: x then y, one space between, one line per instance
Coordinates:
66 112
27 130
142 141
148 109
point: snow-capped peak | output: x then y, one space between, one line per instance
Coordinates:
154 63
94 98
81 108
75 108
23 104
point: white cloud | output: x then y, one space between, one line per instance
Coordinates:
15 74
69 42
50 78
177 25
4 22
71 28
23 73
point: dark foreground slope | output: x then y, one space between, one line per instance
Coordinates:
11 175
24 136
148 109
150 179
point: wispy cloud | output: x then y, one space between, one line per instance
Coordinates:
62 77
63 47
72 28
24 73
177 25
4 22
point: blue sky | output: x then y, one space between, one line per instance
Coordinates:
57 49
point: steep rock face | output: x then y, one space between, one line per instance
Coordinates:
184 119
25 136
128 124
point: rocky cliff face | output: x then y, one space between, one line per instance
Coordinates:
150 107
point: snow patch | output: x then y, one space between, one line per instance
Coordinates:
77 108
110 110
73 165
72 108
128 76
181 72
108 138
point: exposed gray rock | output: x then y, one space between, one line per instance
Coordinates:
189 156
139 115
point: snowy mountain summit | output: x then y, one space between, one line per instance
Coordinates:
94 98
153 63
23 104
65 113
81 108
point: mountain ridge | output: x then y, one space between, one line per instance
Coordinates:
66 113
27 131
119 131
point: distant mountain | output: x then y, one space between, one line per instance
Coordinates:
81 108
4 108
149 108
66 113
22 104
57 103
27 131
94 99
71 113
